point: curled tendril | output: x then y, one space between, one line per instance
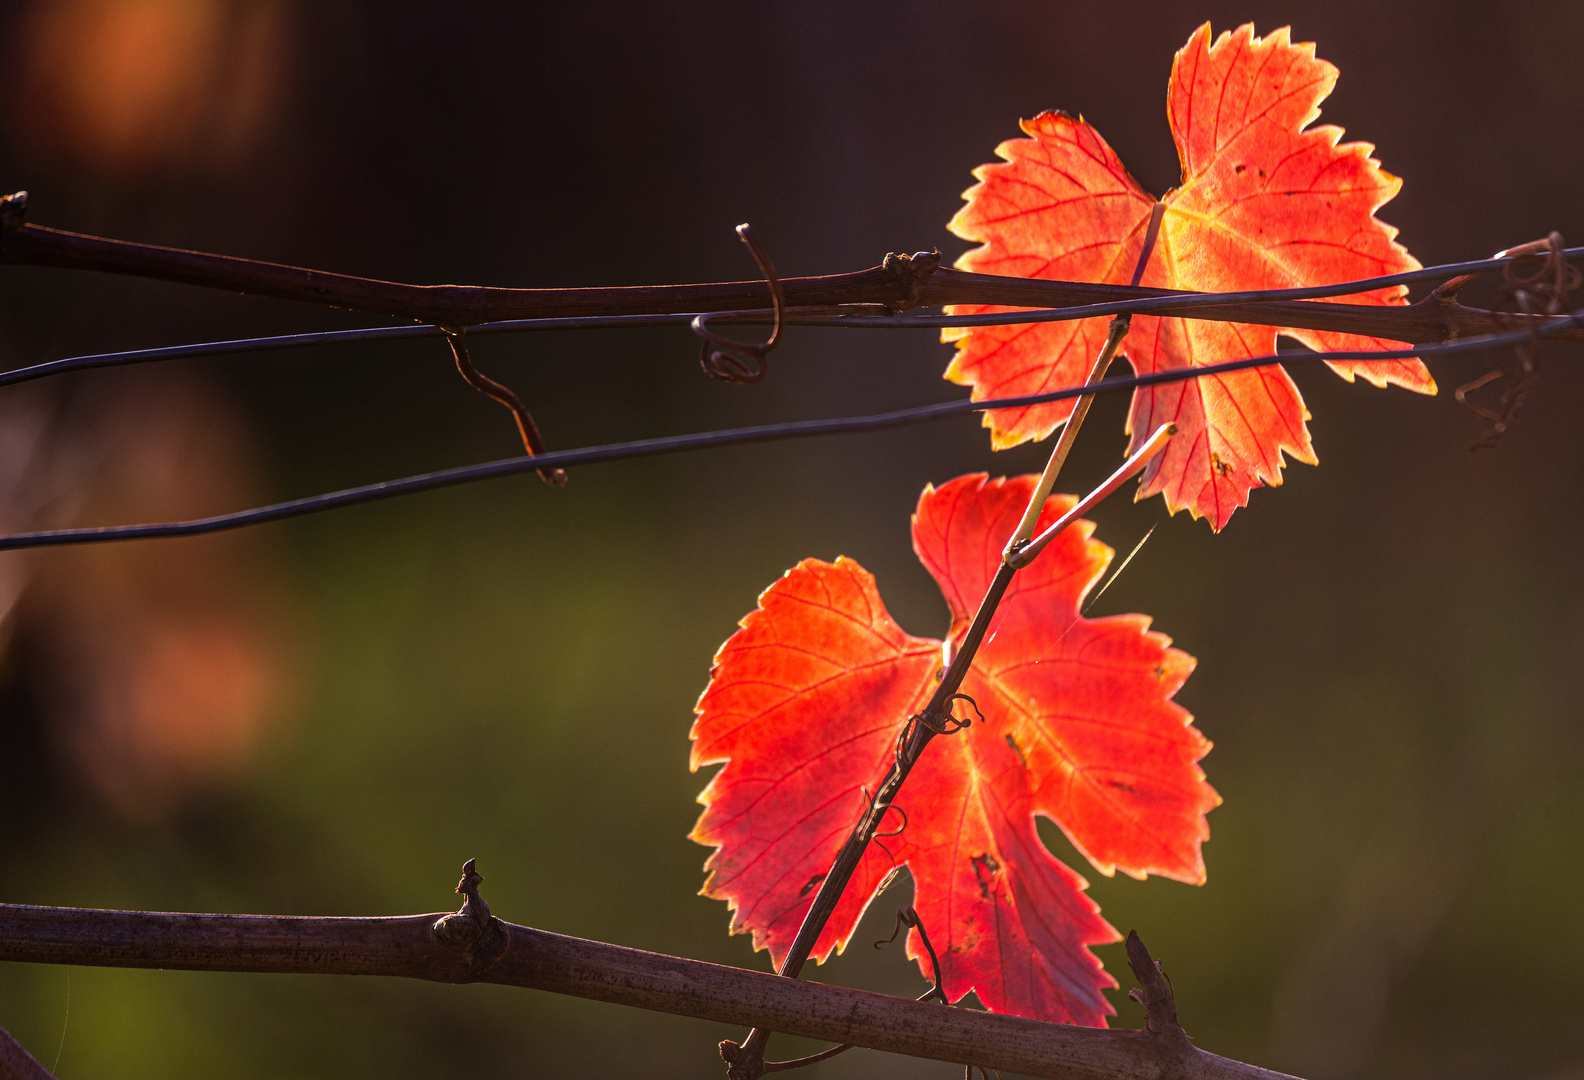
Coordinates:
1535 284
909 917
730 1049
879 837
941 724
740 361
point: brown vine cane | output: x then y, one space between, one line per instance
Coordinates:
730 1050
746 1061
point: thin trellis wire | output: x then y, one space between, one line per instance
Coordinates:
1173 302
387 489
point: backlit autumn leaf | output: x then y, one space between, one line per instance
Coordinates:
805 706
1266 202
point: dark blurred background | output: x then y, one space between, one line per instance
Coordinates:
329 716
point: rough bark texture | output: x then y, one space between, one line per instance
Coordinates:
456 949
17 1064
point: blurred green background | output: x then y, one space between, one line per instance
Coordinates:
329 716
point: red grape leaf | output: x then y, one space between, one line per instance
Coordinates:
1265 203
807 700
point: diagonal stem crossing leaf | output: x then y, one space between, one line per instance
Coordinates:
747 1061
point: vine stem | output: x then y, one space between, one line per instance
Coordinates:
747 1061
474 946
901 282
1120 324
17 1064
1069 435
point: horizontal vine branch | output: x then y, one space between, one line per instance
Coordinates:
17 1064
901 282
473 946
442 305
